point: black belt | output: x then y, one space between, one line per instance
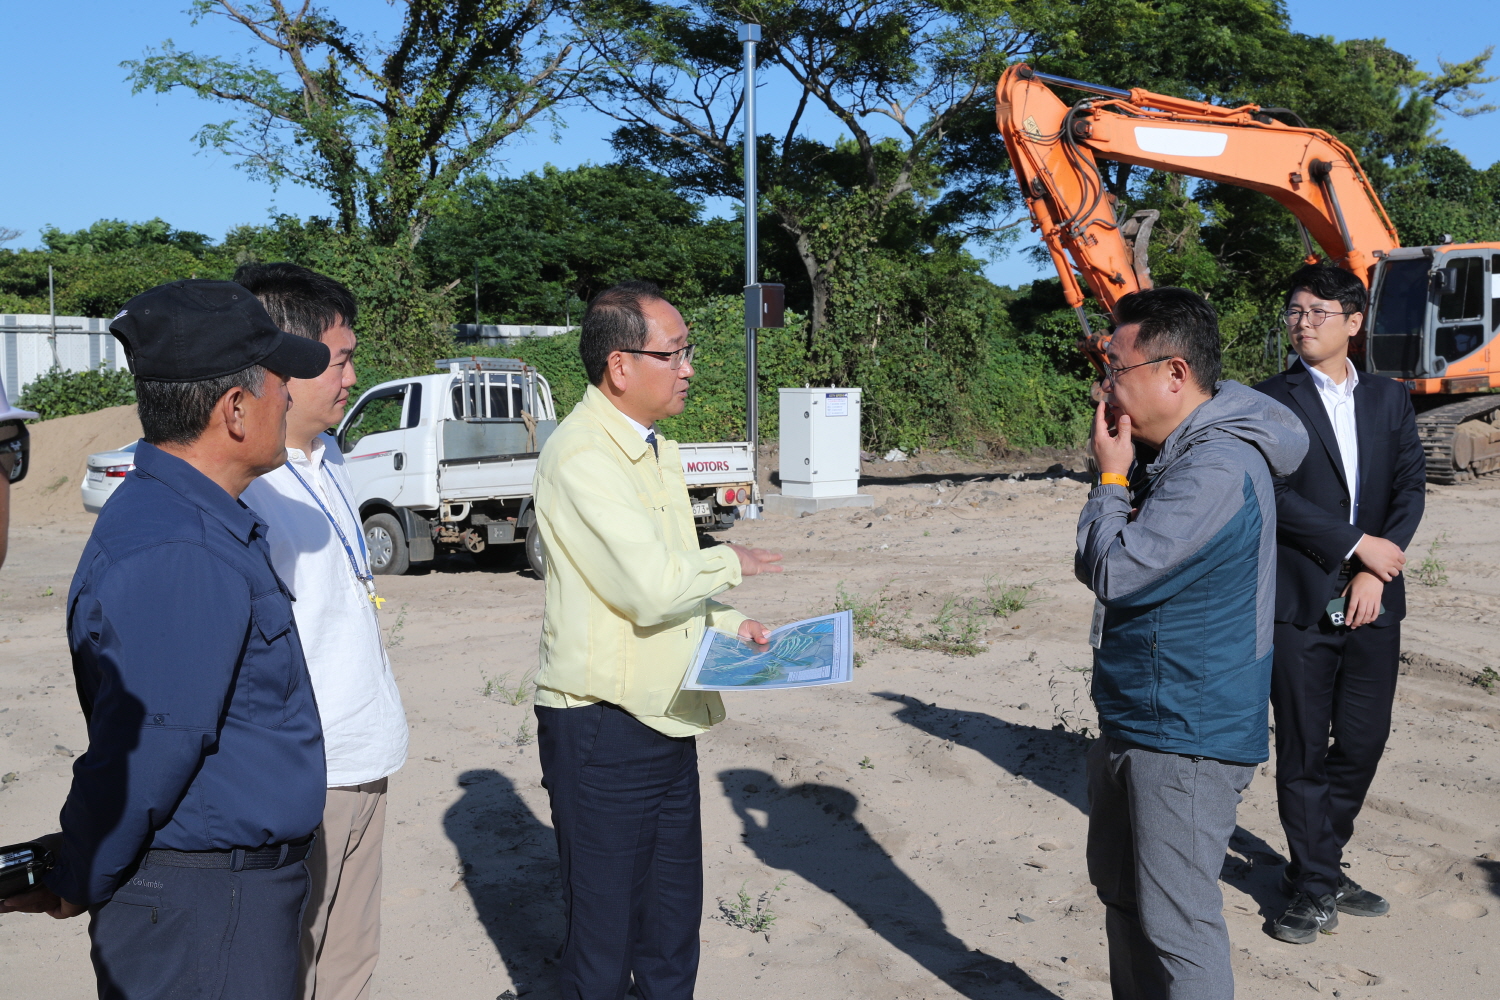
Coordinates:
238 859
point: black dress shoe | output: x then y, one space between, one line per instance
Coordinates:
1357 901
1307 917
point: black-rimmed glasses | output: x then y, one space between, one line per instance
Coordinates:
1112 374
674 359
1315 317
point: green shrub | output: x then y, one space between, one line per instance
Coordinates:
62 394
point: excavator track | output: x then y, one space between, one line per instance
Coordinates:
1457 455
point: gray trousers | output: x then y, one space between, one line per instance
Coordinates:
1159 824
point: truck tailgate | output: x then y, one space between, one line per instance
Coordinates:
718 463
499 477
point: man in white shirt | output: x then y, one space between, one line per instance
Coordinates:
317 548
1343 521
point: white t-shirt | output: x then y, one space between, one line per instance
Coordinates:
364 725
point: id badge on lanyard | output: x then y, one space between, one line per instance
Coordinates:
363 575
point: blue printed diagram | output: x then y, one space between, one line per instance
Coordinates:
808 653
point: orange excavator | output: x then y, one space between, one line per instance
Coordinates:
1434 311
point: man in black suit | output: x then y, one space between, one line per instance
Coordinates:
1343 520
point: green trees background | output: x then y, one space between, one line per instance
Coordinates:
879 225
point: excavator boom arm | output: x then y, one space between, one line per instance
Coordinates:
1054 149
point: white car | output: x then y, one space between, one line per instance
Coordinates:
107 470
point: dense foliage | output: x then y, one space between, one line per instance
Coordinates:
539 246
64 394
403 322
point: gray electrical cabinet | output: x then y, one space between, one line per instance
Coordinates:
819 451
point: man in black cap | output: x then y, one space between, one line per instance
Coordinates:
190 815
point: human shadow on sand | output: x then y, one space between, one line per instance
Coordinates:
1054 760
1051 759
811 829
509 868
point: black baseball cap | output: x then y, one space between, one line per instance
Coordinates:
195 330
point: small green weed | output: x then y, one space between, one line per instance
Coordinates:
866 765
1004 599
954 629
393 637
753 915
501 689
1432 572
872 619
46 592
1488 678
524 735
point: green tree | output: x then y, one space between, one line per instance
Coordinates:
112 235
385 129
899 76
404 323
545 243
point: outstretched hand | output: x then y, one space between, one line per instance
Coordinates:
753 561
1112 447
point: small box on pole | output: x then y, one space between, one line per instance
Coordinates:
765 306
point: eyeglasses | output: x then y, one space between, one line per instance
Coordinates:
674 359
15 449
1315 316
1112 374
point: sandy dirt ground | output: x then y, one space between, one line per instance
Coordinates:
918 833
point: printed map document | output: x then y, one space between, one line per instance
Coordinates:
809 653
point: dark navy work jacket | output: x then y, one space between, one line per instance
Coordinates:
203 732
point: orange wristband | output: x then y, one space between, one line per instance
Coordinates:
1114 479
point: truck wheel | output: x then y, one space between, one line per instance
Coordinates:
535 558
387 545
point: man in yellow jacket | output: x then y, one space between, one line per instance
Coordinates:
629 594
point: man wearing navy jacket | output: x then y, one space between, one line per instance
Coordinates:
1344 519
191 813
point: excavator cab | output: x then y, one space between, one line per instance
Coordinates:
1433 313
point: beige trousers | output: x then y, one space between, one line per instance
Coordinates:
341 928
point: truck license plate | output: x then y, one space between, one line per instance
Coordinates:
702 509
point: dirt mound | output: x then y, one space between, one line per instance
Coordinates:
60 450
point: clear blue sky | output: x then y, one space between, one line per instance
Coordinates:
80 147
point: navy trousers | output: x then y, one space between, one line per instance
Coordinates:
625 808
1339 683
200 934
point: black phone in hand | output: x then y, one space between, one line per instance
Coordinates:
21 866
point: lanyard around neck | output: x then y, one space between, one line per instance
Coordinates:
364 576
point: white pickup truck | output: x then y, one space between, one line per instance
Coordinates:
446 461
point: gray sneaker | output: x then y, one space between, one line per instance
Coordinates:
1305 919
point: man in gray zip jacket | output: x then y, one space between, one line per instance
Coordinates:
1181 554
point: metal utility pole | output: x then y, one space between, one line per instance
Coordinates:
476 293
52 312
749 37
